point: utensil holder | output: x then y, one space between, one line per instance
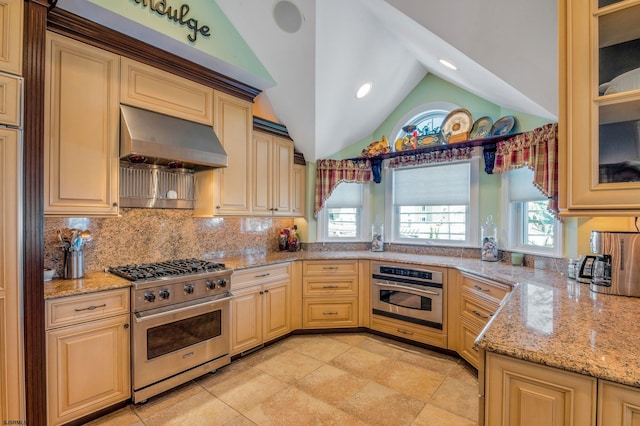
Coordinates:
73 264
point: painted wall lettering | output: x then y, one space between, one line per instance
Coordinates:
178 15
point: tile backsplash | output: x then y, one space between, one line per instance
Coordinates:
152 235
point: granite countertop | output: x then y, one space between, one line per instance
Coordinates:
546 319
90 283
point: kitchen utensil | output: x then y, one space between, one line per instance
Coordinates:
73 264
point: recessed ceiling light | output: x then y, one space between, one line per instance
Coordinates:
448 64
363 90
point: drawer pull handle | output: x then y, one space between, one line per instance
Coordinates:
478 314
475 349
188 355
409 333
330 286
91 308
477 287
330 268
263 275
329 313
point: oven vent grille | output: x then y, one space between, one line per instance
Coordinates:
152 186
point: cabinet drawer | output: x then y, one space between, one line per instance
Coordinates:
330 286
488 289
330 313
9 100
329 267
86 307
468 334
262 274
408 331
475 309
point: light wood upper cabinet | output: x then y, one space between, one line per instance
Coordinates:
11 22
272 192
12 392
599 147
149 88
10 100
81 129
520 393
299 190
227 191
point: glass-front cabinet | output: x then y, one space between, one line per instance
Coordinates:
599 107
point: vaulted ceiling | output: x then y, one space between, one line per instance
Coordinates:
505 52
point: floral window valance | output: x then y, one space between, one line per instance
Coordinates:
538 150
329 173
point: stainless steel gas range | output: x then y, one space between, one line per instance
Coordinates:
180 322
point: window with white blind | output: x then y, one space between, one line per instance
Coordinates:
433 204
531 226
343 217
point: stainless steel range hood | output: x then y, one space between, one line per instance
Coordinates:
153 138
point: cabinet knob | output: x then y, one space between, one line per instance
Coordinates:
115 204
126 326
276 209
218 207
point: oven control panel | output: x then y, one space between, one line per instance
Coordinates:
158 294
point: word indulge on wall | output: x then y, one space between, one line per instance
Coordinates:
178 15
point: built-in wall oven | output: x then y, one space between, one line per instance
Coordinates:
180 323
411 294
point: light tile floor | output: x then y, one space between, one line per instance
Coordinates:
329 379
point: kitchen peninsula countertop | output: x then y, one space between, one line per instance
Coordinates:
91 282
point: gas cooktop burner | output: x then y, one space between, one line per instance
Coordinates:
171 268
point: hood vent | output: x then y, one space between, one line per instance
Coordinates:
153 138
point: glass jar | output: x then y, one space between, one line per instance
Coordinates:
490 241
377 237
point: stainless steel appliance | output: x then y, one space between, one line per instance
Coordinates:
584 269
410 294
180 322
616 269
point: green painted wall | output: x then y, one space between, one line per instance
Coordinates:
434 89
225 42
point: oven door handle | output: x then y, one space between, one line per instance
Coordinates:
411 289
141 317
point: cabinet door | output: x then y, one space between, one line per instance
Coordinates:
282 177
10 95
262 186
601 116
81 129
299 190
520 393
11 357
246 319
156 90
618 405
87 368
233 124
11 36
277 309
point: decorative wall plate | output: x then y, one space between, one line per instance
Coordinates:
504 126
458 121
481 128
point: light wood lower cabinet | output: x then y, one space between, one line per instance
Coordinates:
10 104
618 405
88 361
330 292
520 393
261 307
476 299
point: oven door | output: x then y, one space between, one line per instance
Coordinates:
172 339
417 304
